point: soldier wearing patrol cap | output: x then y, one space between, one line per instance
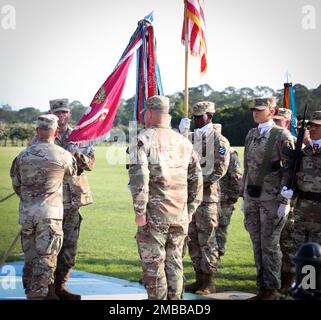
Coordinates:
166 186
76 194
37 175
265 209
214 152
283 118
307 217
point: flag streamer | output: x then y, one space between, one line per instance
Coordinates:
289 103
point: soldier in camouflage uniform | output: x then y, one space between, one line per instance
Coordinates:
76 193
307 216
214 152
37 176
230 190
282 119
166 183
265 209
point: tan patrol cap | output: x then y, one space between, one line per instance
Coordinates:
217 127
203 107
160 103
263 103
283 113
315 117
47 121
59 105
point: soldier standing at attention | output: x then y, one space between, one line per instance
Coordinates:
166 186
307 212
37 176
214 153
76 193
264 208
230 190
282 119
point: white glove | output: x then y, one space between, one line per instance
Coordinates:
283 210
185 124
286 193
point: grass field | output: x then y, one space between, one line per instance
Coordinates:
107 245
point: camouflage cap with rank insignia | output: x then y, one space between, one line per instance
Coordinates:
160 103
315 117
59 105
203 107
263 103
283 114
47 121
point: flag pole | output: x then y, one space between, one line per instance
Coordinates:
186 62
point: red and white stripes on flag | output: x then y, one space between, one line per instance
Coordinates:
194 13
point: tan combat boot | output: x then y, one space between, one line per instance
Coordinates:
61 289
207 286
193 287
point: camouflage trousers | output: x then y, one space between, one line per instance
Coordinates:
202 245
41 242
67 255
262 223
161 248
286 244
223 223
307 223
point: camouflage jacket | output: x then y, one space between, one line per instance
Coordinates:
37 176
230 184
165 176
76 189
213 150
255 146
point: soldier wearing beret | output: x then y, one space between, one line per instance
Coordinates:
37 177
166 186
265 209
213 150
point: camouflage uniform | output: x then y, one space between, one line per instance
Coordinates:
261 219
166 183
307 222
230 190
213 151
37 174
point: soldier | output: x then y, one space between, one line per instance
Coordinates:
283 119
265 209
230 189
37 175
166 183
214 151
76 193
307 217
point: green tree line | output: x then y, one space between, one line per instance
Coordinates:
232 110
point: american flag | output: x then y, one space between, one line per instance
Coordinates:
194 13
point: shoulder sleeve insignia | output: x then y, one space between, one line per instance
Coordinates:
221 150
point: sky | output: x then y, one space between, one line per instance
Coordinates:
68 48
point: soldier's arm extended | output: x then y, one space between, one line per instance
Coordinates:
70 165
85 161
221 160
15 176
286 141
246 144
195 184
139 177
